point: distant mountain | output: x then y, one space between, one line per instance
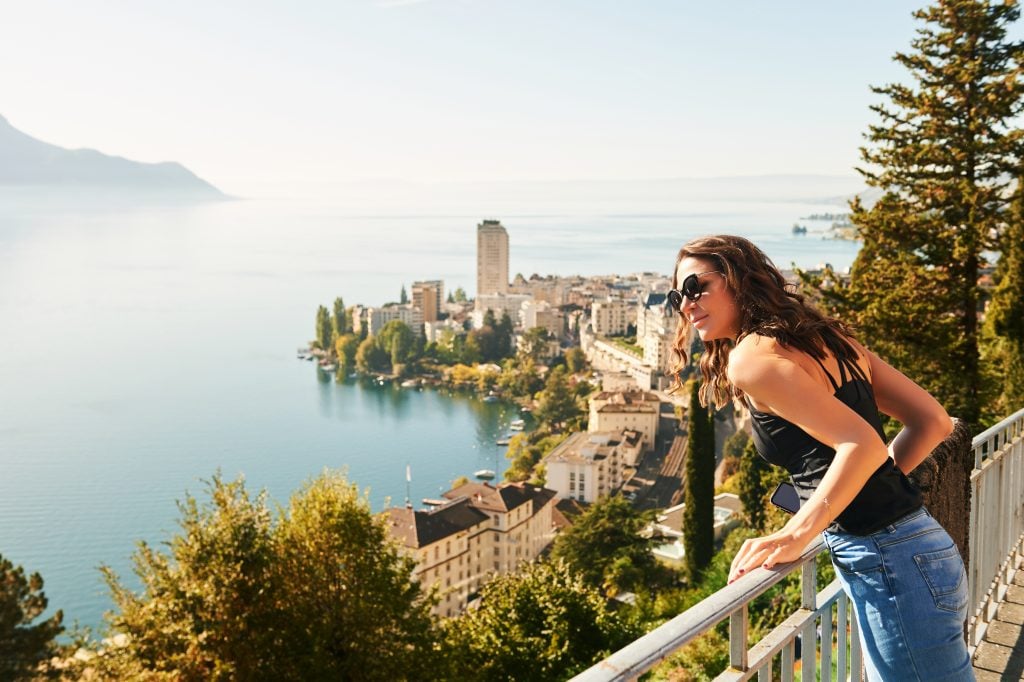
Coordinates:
25 160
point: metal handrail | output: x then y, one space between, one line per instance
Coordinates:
996 519
995 546
731 602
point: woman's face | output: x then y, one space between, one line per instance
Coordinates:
715 315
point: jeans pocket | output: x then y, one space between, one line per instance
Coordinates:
943 571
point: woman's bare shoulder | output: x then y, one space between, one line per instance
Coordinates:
753 345
753 355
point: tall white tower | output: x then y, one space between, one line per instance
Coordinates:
491 258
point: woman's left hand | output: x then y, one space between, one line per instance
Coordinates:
767 551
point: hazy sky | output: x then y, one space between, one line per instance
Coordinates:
251 92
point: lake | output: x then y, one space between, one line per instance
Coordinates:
143 349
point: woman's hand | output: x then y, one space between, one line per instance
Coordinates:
778 548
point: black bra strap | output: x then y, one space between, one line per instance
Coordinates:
830 378
856 371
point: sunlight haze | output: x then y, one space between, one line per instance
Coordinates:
254 95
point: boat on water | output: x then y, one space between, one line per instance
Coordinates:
517 425
486 474
329 367
410 383
505 440
490 398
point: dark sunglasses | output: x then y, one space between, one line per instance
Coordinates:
690 288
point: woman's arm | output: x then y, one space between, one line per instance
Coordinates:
925 422
769 375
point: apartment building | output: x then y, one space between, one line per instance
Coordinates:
590 466
428 297
480 531
618 410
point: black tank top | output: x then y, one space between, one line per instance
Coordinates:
886 496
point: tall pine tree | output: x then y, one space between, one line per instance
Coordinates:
1004 321
699 514
940 154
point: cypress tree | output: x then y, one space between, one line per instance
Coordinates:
940 155
699 515
324 329
753 487
339 322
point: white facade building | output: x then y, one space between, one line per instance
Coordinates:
412 316
542 314
590 466
655 331
612 317
500 304
635 410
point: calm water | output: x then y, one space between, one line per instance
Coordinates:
142 350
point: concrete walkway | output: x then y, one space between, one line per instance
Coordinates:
1000 656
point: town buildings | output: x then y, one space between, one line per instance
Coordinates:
633 410
499 304
408 313
551 289
589 466
428 296
656 324
541 314
651 359
612 317
479 531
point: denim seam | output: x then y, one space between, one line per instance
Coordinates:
903 520
899 613
905 538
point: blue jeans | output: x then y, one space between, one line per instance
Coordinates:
908 588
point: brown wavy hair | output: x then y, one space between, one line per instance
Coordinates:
768 306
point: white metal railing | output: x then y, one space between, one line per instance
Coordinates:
996 536
997 519
824 623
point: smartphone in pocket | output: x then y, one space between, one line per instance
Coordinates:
786 498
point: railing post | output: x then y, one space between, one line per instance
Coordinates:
738 628
809 636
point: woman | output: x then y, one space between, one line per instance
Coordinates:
814 394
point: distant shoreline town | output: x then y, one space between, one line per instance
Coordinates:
588 361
